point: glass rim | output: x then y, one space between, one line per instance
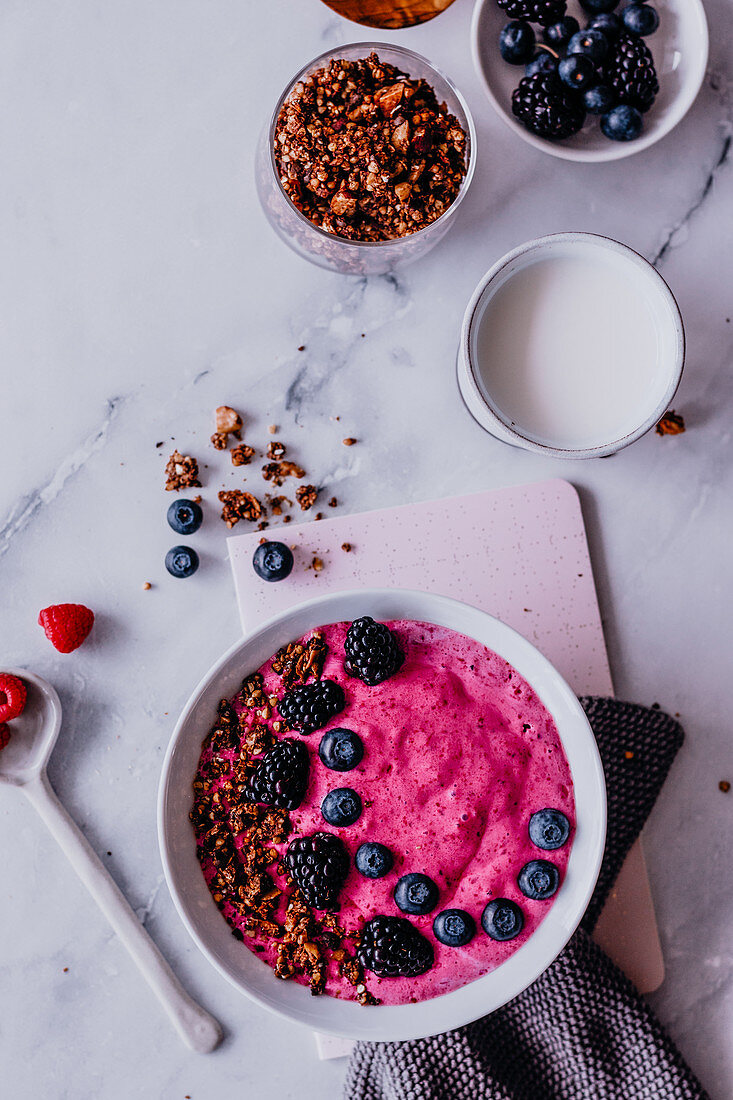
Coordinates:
373 46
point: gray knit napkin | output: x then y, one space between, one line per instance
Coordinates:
581 1031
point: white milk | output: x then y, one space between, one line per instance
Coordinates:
570 350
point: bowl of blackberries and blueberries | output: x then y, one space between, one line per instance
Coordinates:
573 74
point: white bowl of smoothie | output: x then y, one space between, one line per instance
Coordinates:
464 744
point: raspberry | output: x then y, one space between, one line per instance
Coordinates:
372 652
318 865
281 778
66 625
310 707
12 696
393 948
4 735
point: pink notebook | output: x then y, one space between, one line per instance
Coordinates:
519 553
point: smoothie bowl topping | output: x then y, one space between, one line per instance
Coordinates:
367 153
411 845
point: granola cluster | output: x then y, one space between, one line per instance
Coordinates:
240 844
366 152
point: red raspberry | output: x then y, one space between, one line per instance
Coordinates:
4 735
66 625
12 696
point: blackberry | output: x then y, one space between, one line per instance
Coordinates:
318 865
629 71
392 948
372 653
544 12
310 707
547 107
281 777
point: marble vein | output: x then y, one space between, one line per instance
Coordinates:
681 225
28 506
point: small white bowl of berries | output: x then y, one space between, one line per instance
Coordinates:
590 80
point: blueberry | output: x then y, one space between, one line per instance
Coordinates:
272 561
185 517
502 919
549 829
542 62
592 44
181 561
341 807
597 101
538 879
341 750
516 42
596 7
577 72
559 34
622 123
454 927
373 860
416 894
640 19
608 24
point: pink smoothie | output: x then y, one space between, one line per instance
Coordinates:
459 753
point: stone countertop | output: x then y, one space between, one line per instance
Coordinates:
141 287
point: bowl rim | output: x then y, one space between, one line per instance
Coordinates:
538 244
523 967
408 54
616 150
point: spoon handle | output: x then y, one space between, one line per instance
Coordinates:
199 1030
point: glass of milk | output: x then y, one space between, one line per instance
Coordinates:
572 345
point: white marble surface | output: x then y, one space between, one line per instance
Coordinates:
140 287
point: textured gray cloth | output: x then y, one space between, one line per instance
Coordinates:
581 1031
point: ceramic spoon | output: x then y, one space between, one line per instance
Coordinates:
391 14
23 764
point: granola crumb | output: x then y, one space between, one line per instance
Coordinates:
228 421
197 499
276 503
66 970
333 503
346 547
242 455
262 525
317 564
671 424
272 429
287 519
724 786
182 472
239 505
220 441
276 450
318 515
276 472
160 444
147 586
629 754
302 347
349 441
306 496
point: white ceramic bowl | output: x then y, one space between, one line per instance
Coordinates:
680 50
633 269
327 1014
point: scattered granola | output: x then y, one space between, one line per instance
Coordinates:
346 547
724 786
276 504
317 564
182 472
220 440
276 472
242 455
228 421
306 496
276 450
349 441
671 424
298 661
366 152
332 502
147 586
272 429
239 505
